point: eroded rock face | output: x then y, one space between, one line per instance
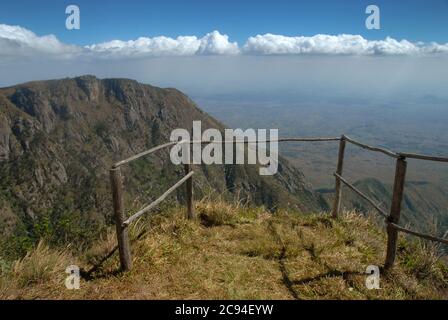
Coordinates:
90 85
5 134
25 131
113 144
36 105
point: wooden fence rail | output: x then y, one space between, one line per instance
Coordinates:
159 200
422 157
419 234
392 218
362 195
367 147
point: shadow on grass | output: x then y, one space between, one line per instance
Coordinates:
92 274
289 283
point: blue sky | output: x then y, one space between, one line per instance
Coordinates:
414 20
408 56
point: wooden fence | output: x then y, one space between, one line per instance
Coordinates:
392 218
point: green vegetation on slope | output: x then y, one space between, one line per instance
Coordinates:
58 139
235 252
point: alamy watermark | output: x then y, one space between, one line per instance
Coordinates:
72 282
73 21
234 150
373 20
373 278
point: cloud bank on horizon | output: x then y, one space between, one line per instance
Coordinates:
213 65
16 42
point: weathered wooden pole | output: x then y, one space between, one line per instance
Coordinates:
395 210
338 185
122 231
189 194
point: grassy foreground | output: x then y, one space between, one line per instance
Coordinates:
233 252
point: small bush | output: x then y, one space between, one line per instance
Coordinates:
39 265
217 213
423 260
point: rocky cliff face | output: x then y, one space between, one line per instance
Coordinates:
58 138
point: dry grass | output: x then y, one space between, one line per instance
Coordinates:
38 268
234 252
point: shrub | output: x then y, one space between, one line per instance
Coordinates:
217 213
40 265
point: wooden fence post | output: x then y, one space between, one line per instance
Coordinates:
395 210
189 194
122 232
338 189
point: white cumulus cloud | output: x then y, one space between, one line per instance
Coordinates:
216 43
345 44
157 46
17 41
212 43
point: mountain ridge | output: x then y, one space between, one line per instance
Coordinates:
59 137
